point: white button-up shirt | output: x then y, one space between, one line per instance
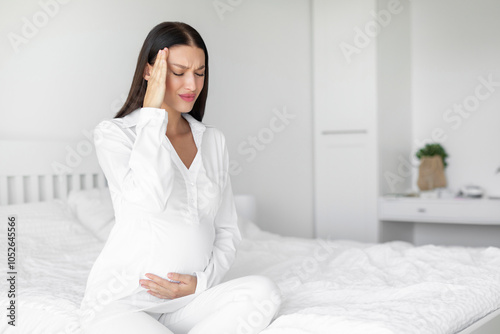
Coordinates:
168 218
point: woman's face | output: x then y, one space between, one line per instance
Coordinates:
185 77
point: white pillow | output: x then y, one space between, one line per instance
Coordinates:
94 209
49 221
248 229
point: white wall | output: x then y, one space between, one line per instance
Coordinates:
430 57
454 44
394 97
77 67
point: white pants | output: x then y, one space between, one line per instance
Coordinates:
244 305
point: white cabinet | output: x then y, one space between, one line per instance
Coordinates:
345 188
344 89
465 222
344 93
362 114
453 211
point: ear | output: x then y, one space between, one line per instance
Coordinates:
147 72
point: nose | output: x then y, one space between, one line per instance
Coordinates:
189 82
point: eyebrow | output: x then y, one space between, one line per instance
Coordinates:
185 67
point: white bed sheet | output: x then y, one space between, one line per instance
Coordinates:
327 286
349 287
54 255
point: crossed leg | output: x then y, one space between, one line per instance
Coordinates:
244 305
124 319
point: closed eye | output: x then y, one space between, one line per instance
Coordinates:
180 74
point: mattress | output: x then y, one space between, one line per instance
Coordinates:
343 286
327 285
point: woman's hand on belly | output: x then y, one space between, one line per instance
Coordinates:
162 288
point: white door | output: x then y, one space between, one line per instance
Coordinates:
345 203
344 90
345 109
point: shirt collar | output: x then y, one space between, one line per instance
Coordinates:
196 126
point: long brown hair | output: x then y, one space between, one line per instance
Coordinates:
165 34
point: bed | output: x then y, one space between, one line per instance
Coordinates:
63 214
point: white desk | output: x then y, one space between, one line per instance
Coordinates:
457 221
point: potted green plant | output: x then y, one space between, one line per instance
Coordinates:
431 150
432 163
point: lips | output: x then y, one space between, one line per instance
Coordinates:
187 97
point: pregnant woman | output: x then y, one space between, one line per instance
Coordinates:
176 231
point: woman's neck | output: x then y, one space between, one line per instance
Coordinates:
177 125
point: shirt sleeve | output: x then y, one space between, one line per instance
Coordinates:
226 240
141 170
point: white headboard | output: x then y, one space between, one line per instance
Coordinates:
35 171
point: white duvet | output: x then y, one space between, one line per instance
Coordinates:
327 286
349 287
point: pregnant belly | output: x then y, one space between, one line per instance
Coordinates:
178 247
